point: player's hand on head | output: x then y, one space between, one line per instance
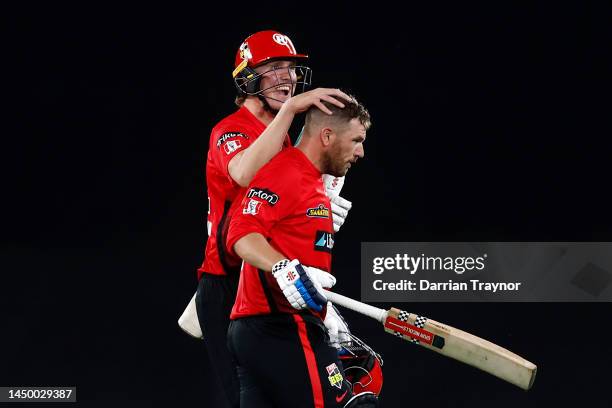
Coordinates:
303 102
302 286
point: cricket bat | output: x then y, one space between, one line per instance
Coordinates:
447 340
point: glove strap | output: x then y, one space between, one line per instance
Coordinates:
280 265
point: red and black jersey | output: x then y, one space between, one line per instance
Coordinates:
287 204
229 137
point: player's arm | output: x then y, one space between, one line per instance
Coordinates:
301 285
254 249
243 166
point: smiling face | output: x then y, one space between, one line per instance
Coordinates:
346 147
278 81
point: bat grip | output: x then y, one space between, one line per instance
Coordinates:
356 306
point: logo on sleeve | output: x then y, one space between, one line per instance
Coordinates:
252 207
324 241
319 212
231 146
334 376
264 194
230 141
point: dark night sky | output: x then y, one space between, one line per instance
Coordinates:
489 125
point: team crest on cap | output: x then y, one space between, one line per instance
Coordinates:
282 39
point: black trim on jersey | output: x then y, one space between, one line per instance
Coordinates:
221 242
267 291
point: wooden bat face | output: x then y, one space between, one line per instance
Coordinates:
461 346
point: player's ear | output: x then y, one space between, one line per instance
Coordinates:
325 136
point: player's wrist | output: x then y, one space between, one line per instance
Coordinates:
288 109
280 265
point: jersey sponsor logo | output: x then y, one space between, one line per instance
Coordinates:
334 376
319 212
230 135
231 146
265 194
324 241
252 207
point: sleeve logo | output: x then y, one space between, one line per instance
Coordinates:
224 139
264 194
319 212
324 241
231 146
251 207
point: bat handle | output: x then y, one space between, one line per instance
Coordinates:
356 306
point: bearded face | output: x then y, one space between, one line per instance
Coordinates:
345 148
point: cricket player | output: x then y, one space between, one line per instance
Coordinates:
284 233
268 77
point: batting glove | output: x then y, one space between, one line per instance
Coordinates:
340 206
333 185
301 287
327 280
337 329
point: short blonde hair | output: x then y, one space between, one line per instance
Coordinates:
353 109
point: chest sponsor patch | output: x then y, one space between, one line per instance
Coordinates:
264 194
324 241
230 141
319 212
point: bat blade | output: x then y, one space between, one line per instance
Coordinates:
461 346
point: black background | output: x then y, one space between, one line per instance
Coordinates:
489 125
